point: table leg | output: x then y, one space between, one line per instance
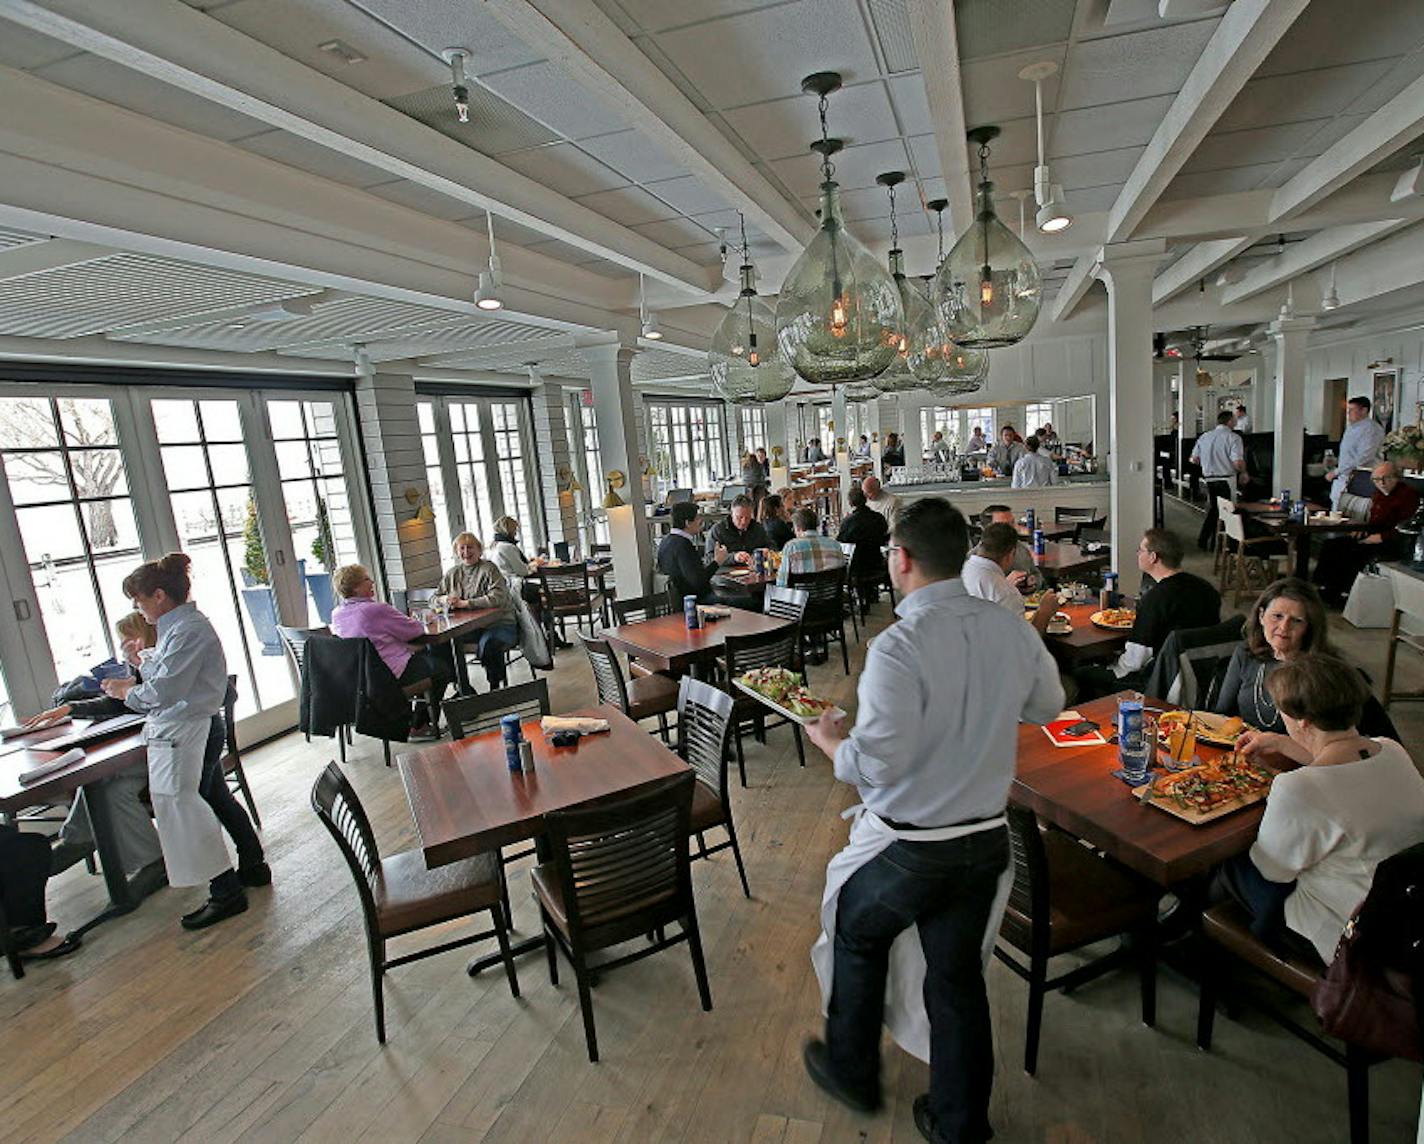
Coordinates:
462 670
1300 545
121 896
518 948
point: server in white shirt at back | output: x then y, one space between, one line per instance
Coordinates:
1359 449
1222 456
1243 420
1034 470
921 886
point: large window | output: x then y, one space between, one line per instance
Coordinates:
474 477
752 419
939 419
1036 416
982 418
487 461
509 453
587 464
70 488
688 442
434 473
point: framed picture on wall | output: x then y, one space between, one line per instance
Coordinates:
1384 396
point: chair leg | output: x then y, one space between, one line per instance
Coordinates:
377 950
550 947
741 760
341 743
737 854
699 963
845 648
1357 1074
800 746
586 1005
1038 972
247 795
502 936
1147 974
662 726
504 896
1206 999
386 750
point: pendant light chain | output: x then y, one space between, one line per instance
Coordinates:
894 225
828 169
749 293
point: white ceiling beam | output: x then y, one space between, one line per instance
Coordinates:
39 257
189 50
1238 46
593 50
1378 137
1076 286
1393 263
937 47
1195 265
1314 252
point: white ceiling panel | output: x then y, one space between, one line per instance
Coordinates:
663 365
924 153
1221 150
460 334
704 253
438 24
297 28
985 28
993 91
783 128
1017 143
1333 32
911 225
628 205
855 167
27 50
563 167
507 231
763 55
634 156
1101 169
1316 94
495 126
1404 72
1086 200
1153 62
688 195
675 232
553 248
912 106
547 93
295 151
1246 178
1129 124
658 15
423 199
9 239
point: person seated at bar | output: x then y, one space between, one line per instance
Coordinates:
754 477
476 583
678 555
1005 455
522 574
869 532
880 499
739 533
977 442
1287 620
1171 600
776 519
1034 469
985 575
1343 557
24 869
814 454
1355 801
892 456
1048 439
862 447
1023 574
940 451
809 551
361 616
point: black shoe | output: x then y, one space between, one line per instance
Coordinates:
71 943
215 910
256 875
925 1122
818 1064
66 854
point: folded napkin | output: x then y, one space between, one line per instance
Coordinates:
552 723
16 732
714 611
39 770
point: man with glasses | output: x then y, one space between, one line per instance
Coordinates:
1343 557
913 903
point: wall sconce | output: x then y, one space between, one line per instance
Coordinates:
419 500
616 480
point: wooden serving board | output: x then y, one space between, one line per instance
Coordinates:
1201 818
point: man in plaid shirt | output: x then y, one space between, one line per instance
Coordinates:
809 551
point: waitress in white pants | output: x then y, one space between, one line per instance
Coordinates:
184 682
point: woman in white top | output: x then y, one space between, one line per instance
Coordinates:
521 572
1354 802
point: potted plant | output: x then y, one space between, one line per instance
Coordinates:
257 594
323 551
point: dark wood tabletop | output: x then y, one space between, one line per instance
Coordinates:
1271 508
1087 641
750 582
466 800
666 643
456 625
1050 531
1074 788
101 759
1061 560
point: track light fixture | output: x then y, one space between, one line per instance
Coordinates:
487 296
456 58
1052 215
649 319
1331 301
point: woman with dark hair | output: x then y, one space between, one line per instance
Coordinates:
1354 802
776 520
1287 620
183 686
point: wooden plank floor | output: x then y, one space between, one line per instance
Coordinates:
261 1028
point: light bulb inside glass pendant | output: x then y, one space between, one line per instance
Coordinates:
988 290
905 371
742 358
839 312
965 371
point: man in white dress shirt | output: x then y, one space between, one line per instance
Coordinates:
1243 420
1034 470
932 757
1359 449
986 574
1005 455
1222 456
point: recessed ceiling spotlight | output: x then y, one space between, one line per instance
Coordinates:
1052 215
1331 301
650 319
456 58
487 296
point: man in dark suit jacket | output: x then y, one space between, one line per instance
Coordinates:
678 557
868 531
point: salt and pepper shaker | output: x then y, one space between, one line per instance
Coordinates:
526 757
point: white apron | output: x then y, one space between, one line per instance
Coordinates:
905 1014
192 839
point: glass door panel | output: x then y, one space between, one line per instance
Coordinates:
472 471
434 474
509 456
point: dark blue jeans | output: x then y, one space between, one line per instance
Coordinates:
946 889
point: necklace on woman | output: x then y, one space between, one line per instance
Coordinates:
1264 701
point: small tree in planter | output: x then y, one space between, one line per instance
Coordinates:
254 552
323 551
257 595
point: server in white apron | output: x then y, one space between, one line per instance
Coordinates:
913 903
184 681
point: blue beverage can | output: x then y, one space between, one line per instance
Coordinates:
1031 520
1110 583
759 561
1299 511
1038 546
513 736
690 613
1286 500
1133 750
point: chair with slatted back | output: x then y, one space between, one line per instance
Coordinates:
617 872
704 734
1086 528
233 771
647 697
635 610
778 648
399 895
785 603
568 591
1065 514
1065 897
825 610
294 643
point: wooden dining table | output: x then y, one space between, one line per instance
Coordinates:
1051 531
1062 561
667 644
465 800
449 629
1074 789
1086 642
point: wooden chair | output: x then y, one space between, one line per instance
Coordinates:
617 872
785 603
420 688
1097 527
568 591
704 733
1065 897
1220 556
1065 514
399 895
647 697
1247 573
779 648
1408 601
233 771
294 644
635 610
1083 535
825 610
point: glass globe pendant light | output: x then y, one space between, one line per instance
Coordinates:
838 313
744 360
898 376
988 290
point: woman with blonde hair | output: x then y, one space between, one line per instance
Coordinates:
521 573
476 583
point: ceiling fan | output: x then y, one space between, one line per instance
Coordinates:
1195 342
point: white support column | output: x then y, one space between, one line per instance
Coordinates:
385 403
776 439
551 439
840 443
613 402
1127 270
735 445
1290 335
911 436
